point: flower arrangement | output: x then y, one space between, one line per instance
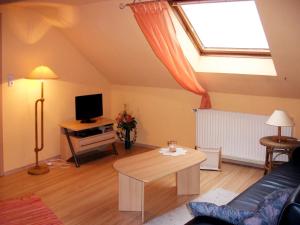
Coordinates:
125 124
126 121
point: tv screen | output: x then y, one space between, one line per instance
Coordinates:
88 107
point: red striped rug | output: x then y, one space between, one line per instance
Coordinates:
26 211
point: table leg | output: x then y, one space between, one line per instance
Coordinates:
114 148
270 160
71 147
188 180
266 161
131 194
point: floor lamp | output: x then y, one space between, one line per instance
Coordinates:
40 73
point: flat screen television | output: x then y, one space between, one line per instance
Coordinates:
87 107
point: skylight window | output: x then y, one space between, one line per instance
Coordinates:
225 27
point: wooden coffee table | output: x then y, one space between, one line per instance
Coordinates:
139 169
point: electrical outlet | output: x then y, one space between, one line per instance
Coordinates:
10 80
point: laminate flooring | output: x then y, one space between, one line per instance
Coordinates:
89 195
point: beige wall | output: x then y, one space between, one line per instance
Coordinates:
122 53
77 77
1 126
164 114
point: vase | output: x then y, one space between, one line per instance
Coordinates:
127 139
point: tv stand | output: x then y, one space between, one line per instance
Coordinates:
78 138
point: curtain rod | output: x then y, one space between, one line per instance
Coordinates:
179 2
124 5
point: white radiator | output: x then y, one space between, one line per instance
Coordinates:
237 134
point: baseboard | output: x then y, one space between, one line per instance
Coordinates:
23 168
239 161
20 169
146 146
225 158
141 145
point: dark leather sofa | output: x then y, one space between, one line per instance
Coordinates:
286 175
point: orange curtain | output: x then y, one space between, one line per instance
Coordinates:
155 22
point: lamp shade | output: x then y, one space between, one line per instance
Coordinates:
280 118
42 73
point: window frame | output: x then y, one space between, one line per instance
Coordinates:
176 4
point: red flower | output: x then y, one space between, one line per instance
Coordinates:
128 118
126 121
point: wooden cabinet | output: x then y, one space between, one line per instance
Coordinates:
77 138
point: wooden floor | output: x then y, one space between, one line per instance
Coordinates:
89 195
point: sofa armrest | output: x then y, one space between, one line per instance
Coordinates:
206 220
290 213
295 159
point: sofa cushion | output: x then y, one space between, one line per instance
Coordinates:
269 210
224 212
284 176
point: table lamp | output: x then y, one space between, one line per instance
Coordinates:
280 118
40 73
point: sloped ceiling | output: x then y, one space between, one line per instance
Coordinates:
111 40
71 2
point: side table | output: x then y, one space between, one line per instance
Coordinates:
286 146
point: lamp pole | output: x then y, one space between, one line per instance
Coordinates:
279 134
41 73
39 169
